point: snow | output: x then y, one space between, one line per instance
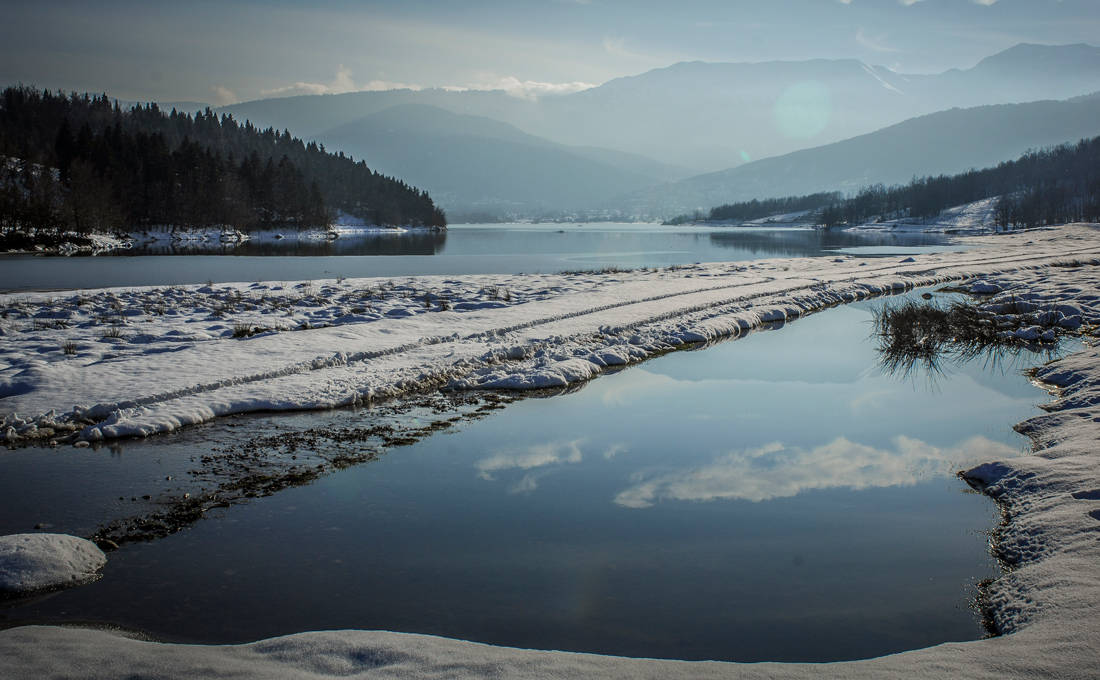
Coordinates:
34 562
978 217
141 361
106 243
1046 604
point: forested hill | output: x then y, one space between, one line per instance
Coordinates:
1055 185
84 163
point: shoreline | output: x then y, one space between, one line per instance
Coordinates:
242 348
1045 606
109 243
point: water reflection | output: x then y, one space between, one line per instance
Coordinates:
810 242
922 338
525 528
776 470
419 242
464 249
530 458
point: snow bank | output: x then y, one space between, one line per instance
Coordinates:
135 362
32 562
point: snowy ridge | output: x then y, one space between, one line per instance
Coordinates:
472 333
1046 604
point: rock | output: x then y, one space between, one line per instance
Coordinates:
984 288
1070 322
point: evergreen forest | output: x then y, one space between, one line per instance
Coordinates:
84 163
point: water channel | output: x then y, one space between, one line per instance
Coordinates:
778 497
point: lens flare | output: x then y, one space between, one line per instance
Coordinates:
803 110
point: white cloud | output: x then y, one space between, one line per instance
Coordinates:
223 96
614 450
531 457
987 3
377 85
876 43
907 3
342 82
522 89
779 471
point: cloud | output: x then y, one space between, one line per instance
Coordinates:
378 85
342 82
535 461
907 3
531 457
987 3
779 471
223 96
522 89
614 450
876 43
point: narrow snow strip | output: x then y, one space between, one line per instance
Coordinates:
184 365
33 562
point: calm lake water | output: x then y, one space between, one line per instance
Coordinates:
462 249
773 498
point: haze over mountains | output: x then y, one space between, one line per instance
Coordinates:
946 142
491 152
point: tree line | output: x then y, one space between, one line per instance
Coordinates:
84 163
755 209
1049 186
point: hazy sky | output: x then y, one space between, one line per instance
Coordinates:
232 50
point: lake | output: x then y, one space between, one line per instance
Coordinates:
462 249
778 497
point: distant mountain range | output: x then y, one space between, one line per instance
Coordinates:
630 132
475 165
947 142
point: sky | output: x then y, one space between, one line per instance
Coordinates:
221 52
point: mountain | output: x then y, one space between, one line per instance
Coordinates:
704 115
946 142
696 115
476 164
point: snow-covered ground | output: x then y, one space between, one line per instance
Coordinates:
534 331
979 217
135 362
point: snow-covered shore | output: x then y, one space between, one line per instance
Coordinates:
973 219
117 363
1047 604
100 244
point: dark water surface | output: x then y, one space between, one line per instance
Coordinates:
462 249
773 498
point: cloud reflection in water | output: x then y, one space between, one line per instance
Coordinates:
778 471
